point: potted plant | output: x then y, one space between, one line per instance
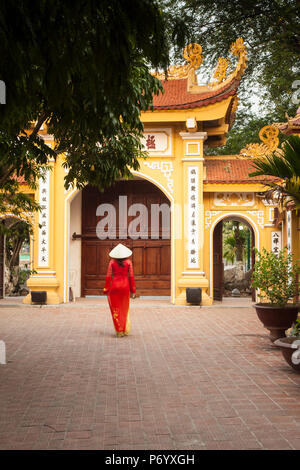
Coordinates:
290 346
275 275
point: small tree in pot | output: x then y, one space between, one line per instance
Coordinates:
276 278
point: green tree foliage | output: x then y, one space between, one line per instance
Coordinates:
83 69
270 29
235 236
18 233
244 131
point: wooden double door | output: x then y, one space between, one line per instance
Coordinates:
151 254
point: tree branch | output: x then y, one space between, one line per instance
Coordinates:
38 125
8 171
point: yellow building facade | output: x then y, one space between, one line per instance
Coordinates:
288 219
202 191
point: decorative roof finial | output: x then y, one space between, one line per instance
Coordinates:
269 137
193 55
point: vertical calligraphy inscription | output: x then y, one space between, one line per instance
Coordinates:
193 217
276 242
44 220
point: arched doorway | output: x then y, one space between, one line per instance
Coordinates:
137 214
15 255
242 242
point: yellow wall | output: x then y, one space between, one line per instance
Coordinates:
169 170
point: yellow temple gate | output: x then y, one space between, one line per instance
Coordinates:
201 191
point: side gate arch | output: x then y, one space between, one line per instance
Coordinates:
242 217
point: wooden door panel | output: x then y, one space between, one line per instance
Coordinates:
165 259
138 261
92 266
102 256
151 260
94 286
151 257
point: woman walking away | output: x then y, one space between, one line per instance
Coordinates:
118 285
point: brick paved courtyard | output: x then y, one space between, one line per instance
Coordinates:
186 378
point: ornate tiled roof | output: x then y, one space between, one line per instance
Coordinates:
232 171
177 96
181 87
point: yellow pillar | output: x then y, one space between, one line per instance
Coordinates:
44 278
193 274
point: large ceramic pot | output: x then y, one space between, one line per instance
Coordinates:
277 319
290 348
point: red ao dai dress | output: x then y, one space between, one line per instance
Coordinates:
118 285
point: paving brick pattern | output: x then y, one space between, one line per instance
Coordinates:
186 378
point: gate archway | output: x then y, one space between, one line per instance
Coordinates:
151 250
216 262
11 263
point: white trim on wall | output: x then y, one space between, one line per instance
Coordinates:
68 201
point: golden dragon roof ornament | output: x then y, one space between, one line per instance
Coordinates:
270 141
238 49
221 70
193 56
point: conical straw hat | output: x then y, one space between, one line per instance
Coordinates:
120 251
